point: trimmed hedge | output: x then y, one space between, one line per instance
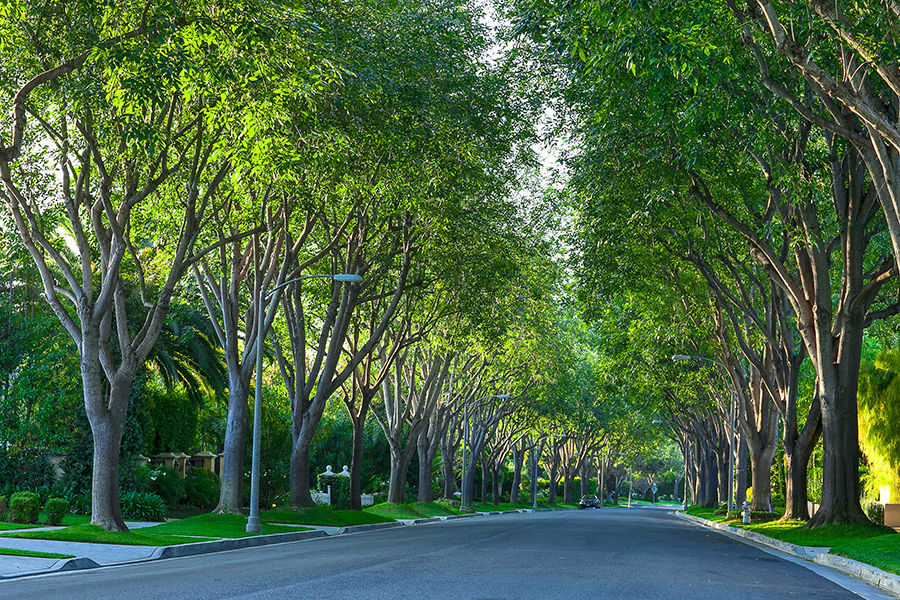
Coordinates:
56 509
4 506
24 507
340 489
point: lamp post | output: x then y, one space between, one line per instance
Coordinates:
731 418
253 525
463 502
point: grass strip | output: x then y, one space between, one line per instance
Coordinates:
391 511
321 515
214 526
93 534
4 526
32 553
882 551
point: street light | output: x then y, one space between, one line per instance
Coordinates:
731 417
253 525
463 505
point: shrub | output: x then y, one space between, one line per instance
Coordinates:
4 505
24 507
143 506
80 504
168 485
56 509
201 488
874 510
340 489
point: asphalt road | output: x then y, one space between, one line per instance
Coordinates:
640 553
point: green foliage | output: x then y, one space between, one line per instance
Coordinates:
874 510
56 509
24 507
168 485
201 488
879 413
340 489
143 506
4 506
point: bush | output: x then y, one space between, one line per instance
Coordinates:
56 509
4 506
168 485
143 506
340 489
874 510
201 488
80 504
24 507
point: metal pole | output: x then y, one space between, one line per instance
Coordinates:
253 520
463 502
630 483
533 478
684 504
603 478
731 455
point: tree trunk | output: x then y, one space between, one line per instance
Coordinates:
740 493
568 478
426 462
448 459
497 485
300 480
399 468
484 481
106 427
356 457
518 462
554 477
230 494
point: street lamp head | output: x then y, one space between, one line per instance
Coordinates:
499 395
350 277
681 357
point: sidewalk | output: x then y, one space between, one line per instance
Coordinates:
88 556
867 573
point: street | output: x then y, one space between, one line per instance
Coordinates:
641 553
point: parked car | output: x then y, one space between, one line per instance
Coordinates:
589 501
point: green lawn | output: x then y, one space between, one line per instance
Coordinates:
795 532
214 526
321 515
392 512
433 509
882 551
4 526
93 534
32 554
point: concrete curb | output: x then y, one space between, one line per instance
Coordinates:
231 544
865 572
197 548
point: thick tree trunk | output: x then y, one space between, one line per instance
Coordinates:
448 459
568 478
740 475
399 469
551 492
518 462
426 462
585 477
232 477
107 428
496 485
721 459
300 479
485 482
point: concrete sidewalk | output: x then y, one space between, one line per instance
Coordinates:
89 555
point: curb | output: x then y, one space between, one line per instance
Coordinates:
873 576
231 544
197 548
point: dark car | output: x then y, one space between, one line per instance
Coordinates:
589 501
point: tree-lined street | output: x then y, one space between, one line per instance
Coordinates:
639 553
